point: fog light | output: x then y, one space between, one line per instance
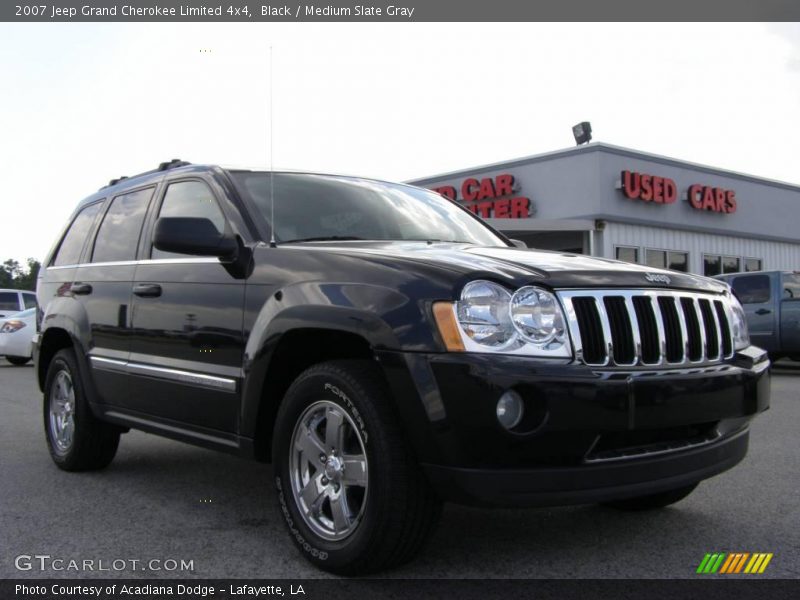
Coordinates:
510 409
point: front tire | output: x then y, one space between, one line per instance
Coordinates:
76 439
652 501
351 493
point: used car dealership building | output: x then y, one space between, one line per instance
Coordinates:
612 202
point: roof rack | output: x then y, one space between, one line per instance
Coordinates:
164 166
172 164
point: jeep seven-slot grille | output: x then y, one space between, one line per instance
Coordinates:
648 327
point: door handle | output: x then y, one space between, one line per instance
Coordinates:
80 288
147 290
763 311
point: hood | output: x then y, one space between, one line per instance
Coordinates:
525 266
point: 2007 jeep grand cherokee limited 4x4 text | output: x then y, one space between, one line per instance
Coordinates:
386 351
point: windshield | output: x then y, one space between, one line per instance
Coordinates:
324 207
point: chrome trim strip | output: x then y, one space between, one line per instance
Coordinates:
220 383
702 322
637 335
679 447
684 329
660 329
572 325
605 325
109 364
187 377
149 261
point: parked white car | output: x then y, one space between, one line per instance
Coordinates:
13 301
16 334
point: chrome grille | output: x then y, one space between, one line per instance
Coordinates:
648 327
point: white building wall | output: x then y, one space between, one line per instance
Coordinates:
774 255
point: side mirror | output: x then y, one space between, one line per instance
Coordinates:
518 243
195 236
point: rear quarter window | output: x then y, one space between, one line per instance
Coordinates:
69 251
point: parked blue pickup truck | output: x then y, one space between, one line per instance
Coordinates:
771 301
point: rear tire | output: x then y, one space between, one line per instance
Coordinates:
652 501
77 440
338 443
18 360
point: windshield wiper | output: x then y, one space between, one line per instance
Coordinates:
324 238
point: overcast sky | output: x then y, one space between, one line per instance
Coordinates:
81 104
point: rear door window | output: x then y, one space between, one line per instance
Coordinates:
118 236
752 290
69 251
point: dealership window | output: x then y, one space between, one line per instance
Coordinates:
751 289
715 264
627 253
678 261
752 264
655 258
667 259
730 264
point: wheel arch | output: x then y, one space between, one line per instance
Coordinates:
290 354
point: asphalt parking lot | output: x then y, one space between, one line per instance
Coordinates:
165 500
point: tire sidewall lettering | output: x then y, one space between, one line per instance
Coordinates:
337 391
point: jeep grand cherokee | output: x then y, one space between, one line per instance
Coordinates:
386 350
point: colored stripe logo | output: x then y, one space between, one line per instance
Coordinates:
734 563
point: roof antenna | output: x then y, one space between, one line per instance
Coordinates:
272 243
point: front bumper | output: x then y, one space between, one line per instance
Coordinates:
594 434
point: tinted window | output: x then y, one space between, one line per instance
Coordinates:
730 264
656 258
712 265
69 252
791 287
752 264
322 206
29 300
678 261
628 254
752 290
118 236
9 301
189 199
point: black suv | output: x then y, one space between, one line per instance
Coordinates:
386 350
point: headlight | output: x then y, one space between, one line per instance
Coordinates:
483 313
487 318
536 315
12 326
741 335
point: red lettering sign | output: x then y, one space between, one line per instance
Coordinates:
649 188
490 197
718 200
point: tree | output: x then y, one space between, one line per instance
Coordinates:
13 276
